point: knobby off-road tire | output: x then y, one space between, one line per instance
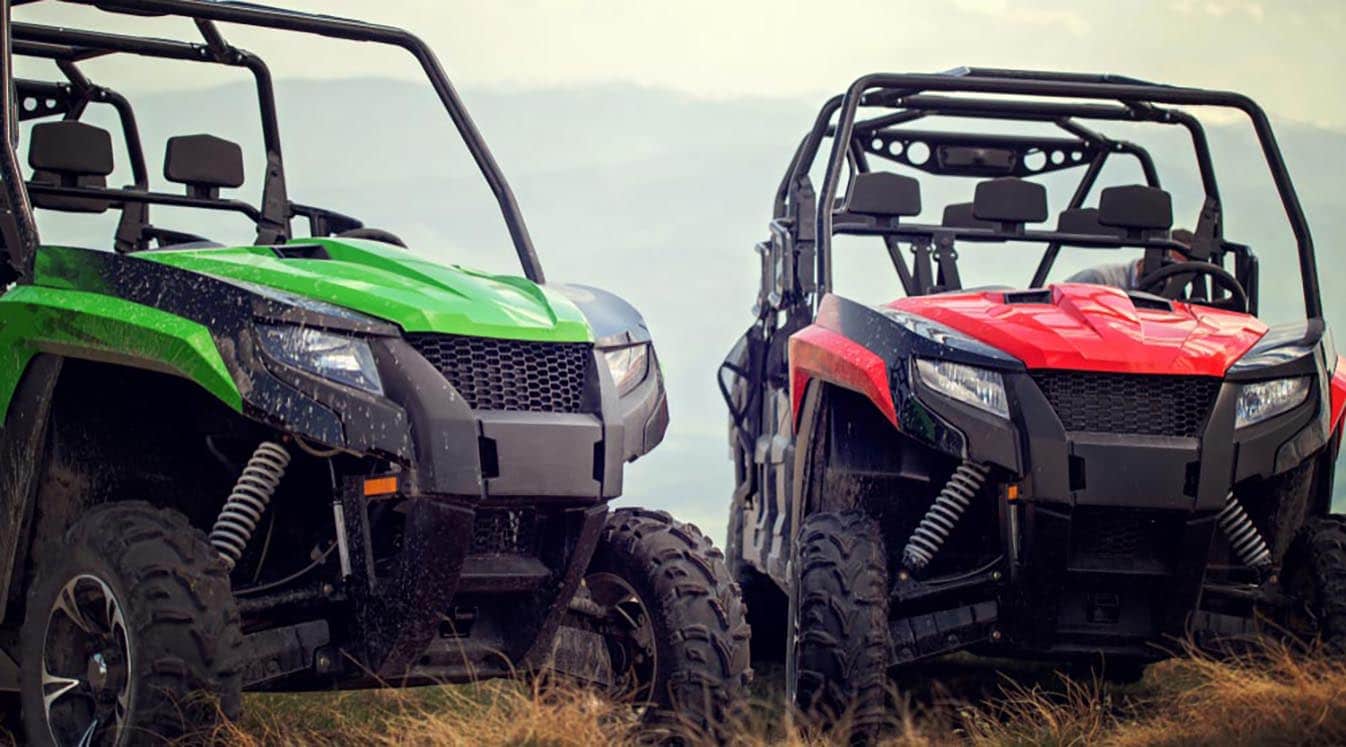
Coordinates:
699 626
839 650
180 621
1314 573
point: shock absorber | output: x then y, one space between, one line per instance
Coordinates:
243 510
939 521
1243 536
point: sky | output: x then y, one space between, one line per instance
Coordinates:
1287 55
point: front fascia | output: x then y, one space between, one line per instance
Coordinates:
1056 465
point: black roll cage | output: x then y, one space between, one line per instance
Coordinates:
815 219
68 47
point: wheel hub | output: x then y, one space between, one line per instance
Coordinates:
86 670
634 654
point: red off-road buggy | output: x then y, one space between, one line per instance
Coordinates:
1049 470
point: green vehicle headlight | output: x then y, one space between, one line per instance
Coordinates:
628 365
1261 400
345 360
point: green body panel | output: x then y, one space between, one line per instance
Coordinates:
394 285
35 319
68 309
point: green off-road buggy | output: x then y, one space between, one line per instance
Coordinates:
309 463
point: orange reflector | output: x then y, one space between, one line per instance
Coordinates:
1011 492
380 486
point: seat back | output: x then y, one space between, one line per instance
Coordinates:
1139 210
1084 221
70 154
959 215
883 194
1010 202
204 163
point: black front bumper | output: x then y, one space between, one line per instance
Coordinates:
1108 539
497 514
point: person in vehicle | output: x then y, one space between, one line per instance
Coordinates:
1126 275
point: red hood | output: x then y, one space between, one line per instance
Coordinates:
1097 328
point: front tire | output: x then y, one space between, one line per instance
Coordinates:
689 665
131 634
839 651
1314 575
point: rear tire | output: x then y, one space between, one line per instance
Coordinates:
1314 574
699 628
839 650
144 590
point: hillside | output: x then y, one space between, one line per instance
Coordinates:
660 197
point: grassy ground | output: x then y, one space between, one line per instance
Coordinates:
1273 698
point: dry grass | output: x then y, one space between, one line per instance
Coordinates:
1271 698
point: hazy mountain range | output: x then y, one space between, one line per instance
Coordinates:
660 197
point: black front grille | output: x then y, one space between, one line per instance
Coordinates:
1129 403
1122 540
504 531
516 375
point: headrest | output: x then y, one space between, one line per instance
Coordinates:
1136 208
204 163
70 148
1085 221
69 154
959 215
884 194
1010 200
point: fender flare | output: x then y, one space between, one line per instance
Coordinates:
818 353
23 439
1338 400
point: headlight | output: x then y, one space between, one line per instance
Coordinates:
628 366
978 387
1265 399
342 359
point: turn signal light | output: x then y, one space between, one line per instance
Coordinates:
380 486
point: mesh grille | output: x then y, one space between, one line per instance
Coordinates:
1110 536
501 531
1121 540
509 374
1129 403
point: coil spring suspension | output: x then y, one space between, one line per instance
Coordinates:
243 510
1243 536
943 515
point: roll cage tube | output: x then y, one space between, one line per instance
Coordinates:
69 46
205 13
1135 96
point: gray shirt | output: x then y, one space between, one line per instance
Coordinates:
1118 275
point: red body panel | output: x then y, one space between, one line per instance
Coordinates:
820 353
1338 394
1097 328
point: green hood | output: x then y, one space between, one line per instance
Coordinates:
394 285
